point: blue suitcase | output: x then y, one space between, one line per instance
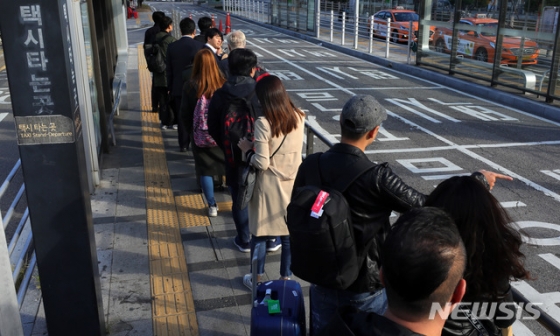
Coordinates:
291 321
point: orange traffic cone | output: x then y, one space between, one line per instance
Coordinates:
213 22
228 24
220 27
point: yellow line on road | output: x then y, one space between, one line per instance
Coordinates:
173 310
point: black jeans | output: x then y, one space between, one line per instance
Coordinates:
183 134
165 112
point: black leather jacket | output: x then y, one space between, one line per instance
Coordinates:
371 197
349 321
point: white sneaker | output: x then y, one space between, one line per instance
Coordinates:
248 281
164 127
212 211
175 126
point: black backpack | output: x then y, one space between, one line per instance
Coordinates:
323 248
154 55
239 123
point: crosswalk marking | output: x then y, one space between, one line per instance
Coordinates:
2 116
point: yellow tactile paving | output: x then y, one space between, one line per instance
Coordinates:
173 305
192 210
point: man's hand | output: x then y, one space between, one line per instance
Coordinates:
491 177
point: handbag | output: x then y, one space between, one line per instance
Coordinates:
247 182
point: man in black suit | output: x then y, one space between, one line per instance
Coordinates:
180 54
149 40
204 23
214 40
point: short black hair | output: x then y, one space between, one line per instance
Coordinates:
187 26
350 135
423 259
157 16
241 62
165 22
204 23
211 32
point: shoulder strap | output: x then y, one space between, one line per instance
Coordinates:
279 146
341 184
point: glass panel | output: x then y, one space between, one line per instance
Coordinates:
91 77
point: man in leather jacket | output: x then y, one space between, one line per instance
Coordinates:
423 264
372 197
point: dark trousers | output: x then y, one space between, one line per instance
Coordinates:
165 112
183 134
155 101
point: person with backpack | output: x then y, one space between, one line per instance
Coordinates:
235 98
180 54
367 193
163 40
205 79
423 263
276 154
149 40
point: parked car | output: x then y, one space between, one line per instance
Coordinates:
400 23
479 42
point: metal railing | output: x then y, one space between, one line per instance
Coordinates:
18 251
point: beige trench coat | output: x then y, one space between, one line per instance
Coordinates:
275 179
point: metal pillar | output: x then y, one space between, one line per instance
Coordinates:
51 145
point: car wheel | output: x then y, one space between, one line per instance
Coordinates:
481 55
395 36
440 46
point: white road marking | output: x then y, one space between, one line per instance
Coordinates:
519 329
442 177
555 241
548 300
554 174
475 156
552 259
444 165
512 204
2 116
324 80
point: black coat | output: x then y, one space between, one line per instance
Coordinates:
349 321
180 54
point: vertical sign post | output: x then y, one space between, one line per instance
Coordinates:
39 61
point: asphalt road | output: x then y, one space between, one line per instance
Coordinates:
432 132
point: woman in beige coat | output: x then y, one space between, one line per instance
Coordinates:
276 153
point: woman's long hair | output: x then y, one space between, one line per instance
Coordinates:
492 244
206 76
277 107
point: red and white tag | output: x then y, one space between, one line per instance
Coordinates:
317 208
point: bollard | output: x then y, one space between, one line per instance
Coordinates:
343 28
409 42
371 34
318 24
259 11
388 37
332 25
356 23
228 24
521 48
220 28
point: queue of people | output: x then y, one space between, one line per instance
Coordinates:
455 244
